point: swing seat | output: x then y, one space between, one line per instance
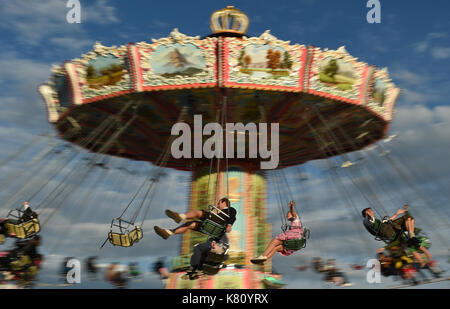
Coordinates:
17 227
296 243
123 236
23 230
212 228
211 270
20 263
214 262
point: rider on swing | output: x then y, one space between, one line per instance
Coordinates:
295 231
225 216
27 215
392 230
200 255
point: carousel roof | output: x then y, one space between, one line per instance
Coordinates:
263 78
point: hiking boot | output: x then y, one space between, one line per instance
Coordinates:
164 233
174 216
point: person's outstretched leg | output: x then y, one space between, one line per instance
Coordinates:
273 247
190 215
166 233
419 259
275 250
426 252
199 255
410 227
184 228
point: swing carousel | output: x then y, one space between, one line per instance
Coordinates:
327 103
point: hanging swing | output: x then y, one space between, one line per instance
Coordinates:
212 228
215 258
293 244
208 226
21 224
297 244
124 233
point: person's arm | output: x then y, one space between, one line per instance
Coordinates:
381 250
399 212
291 213
231 220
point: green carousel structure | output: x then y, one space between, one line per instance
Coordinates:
225 76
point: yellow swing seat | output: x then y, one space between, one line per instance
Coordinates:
16 227
124 236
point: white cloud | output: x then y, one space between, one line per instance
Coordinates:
437 35
68 41
440 52
408 77
421 46
36 23
443 113
429 44
101 12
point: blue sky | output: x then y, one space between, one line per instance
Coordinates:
413 41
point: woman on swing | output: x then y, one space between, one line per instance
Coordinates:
295 231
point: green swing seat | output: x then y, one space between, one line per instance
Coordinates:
296 243
212 228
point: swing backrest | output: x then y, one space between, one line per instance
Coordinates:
213 263
119 239
212 228
23 230
15 225
136 234
123 237
296 243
